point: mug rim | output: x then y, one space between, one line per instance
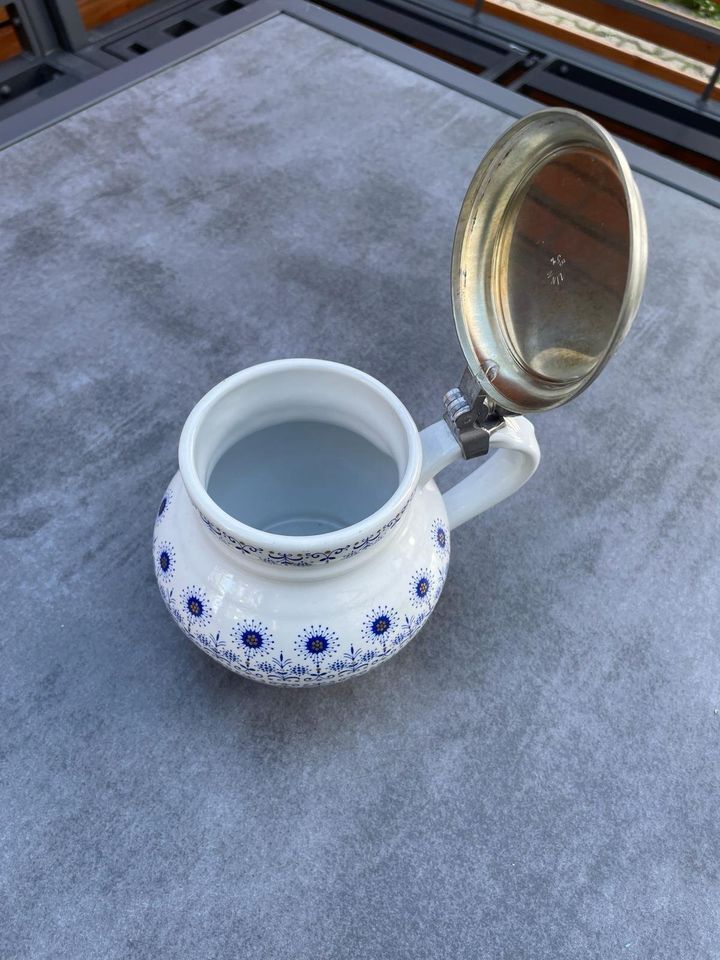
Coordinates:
283 543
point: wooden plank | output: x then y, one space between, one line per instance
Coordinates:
638 26
688 157
96 12
10 45
602 46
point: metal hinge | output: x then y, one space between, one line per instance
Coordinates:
472 416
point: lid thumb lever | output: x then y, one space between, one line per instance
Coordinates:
472 416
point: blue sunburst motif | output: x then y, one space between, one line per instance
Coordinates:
316 642
164 560
252 638
165 502
440 537
195 606
380 623
420 588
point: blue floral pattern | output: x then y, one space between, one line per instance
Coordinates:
319 655
316 647
316 643
440 538
380 625
253 639
195 606
421 588
303 559
165 502
164 560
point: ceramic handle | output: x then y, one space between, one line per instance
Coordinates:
515 461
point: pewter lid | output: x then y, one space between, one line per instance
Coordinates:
548 261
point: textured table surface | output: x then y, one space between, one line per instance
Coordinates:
536 775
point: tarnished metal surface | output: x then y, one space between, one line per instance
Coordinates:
548 260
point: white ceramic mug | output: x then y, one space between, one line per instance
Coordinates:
303 610
304 539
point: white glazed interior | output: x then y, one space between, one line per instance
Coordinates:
283 391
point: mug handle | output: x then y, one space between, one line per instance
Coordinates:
516 460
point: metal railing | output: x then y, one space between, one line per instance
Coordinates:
656 24
653 110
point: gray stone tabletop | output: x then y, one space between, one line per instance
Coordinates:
536 775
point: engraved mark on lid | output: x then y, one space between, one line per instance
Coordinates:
555 274
490 369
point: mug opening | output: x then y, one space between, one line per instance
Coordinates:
302 478
294 454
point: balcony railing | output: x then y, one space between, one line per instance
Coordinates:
649 37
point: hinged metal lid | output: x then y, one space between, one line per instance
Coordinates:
548 260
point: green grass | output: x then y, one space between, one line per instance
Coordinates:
710 9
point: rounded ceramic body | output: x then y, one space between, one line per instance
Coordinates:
307 610
281 622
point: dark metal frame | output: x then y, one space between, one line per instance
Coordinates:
494 46
667 18
107 82
453 28
33 22
49 25
68 23
475 25
686 24
553 68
